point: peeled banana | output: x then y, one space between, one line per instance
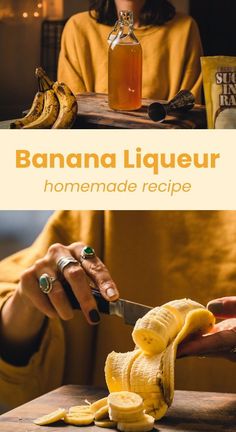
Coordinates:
149 370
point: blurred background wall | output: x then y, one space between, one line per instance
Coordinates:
18 229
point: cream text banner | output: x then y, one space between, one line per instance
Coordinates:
118 169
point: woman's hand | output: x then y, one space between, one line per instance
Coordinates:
24 315
56 302
221 340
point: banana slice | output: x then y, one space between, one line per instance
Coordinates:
106 424
80 408
79 419
102 413
125 417
125 401
95 406
144 425
52 417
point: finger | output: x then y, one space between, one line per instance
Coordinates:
220 341
76 277
29 286
99 274
57 297
59 300
224 307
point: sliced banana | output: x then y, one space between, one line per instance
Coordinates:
80 408
102 413
105 424
144 425
95 406
120 416
50 418
79 419
125 401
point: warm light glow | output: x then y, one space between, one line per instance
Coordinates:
40 5
25 14
36 14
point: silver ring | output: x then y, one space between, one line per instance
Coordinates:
46 283
233 351
87 253
65 261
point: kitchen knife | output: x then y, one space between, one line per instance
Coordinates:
129 311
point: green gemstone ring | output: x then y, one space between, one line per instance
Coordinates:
87 253
46 283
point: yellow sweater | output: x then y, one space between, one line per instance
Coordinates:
171 57
154 257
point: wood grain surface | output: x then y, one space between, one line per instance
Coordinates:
93 111
190 412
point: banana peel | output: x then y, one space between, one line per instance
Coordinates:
152 375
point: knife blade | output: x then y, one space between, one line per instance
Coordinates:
129 311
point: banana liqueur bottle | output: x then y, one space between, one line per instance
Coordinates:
125 67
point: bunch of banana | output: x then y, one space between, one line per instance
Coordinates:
149 370
54 106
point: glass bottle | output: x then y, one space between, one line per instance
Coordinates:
125 67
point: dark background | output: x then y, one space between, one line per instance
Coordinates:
217 24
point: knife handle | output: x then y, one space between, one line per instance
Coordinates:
102 304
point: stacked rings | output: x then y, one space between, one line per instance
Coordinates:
46 283
63 262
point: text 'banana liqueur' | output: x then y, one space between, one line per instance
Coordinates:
125 66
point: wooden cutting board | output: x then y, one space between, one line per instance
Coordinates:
94 112
190 412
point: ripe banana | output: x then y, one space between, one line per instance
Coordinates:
149 371
68 106
49 114
33 114
159 327
51 418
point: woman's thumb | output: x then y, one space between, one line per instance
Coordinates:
224 307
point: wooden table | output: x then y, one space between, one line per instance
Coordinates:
190 412
94 113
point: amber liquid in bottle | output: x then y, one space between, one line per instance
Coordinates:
125 72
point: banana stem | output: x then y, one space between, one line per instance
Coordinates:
40 73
